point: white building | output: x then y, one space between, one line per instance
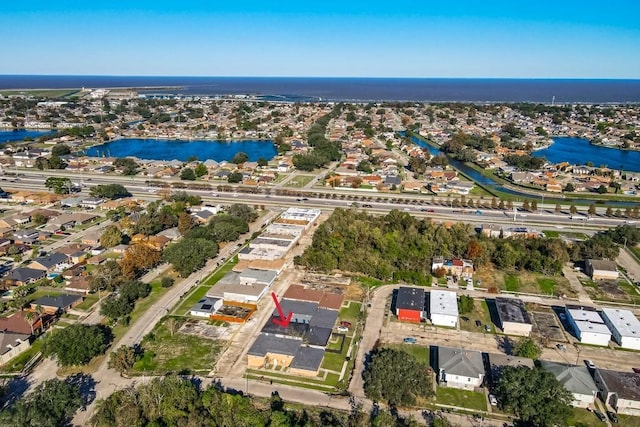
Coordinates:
443 308
624 326
514 318
589 327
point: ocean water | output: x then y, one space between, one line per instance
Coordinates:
170 149
357 89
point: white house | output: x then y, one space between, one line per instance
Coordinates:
601 269
205 307
620 390
624 326
459 368
576 379
589 327
443 308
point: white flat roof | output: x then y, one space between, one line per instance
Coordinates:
623 321
443 302
592 328
301 214
585 315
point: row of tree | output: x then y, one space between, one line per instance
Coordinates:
324 151
400 246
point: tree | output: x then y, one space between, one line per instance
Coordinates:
60 150
59 185
527 347
592 209
77 344
262 162
109 191
51 404
185 223
465 304
396 377
235 177
38 219
137 258
128 166
167 281
569 188
558 208
602 189
534 206
107 276
573 210
609 211
526 206
188 255
534 396
242 211
187 174
173 324
123 359
239 158
200 170
112 236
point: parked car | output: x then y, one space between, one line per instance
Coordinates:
590 364
487 328
478 323
342 329
612 417
600 415
410 340
561 347
493 400
345 324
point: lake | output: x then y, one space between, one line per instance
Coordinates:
20 134
170 149
578 151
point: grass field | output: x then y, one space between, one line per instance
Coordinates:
461 398
300 181
164 352
89 301
421 353
547 285
193 298
481 313
41 93
351 313
511 282
220 272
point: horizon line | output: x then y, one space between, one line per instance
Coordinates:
320 77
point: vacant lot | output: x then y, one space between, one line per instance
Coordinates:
615 291
480 313
167 350
461 398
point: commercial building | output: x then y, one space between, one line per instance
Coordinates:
299 216
601 269
620 390
624 326
248 286
588 326
514 319
460 368
443 308
410 304
576 379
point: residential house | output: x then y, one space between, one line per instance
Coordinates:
58 304
24 275
460 368
205 307
12 344
514 319
601 269
53 262
18 323
576 379
499 361
455 266
410 304
620 390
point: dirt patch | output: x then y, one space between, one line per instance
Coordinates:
547 326
614 291
204 330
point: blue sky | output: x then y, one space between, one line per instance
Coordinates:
399 38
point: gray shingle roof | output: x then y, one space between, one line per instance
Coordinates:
466 363
266 343
308 358
576 379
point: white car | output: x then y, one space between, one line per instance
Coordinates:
493 400
343 329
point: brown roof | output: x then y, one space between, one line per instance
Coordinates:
18 323
73 248
331 301
300 293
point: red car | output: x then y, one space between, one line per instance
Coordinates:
345 324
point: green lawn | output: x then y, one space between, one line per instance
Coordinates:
165 353
636 251
480 312
157 291
551 233
369 281
334 361
421 353
220 272
511 282
351 313
193 298
42 293
300 181
547 285
89 301
461 398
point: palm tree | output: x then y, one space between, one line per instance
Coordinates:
29 316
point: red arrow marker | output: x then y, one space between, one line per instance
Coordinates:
283 320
